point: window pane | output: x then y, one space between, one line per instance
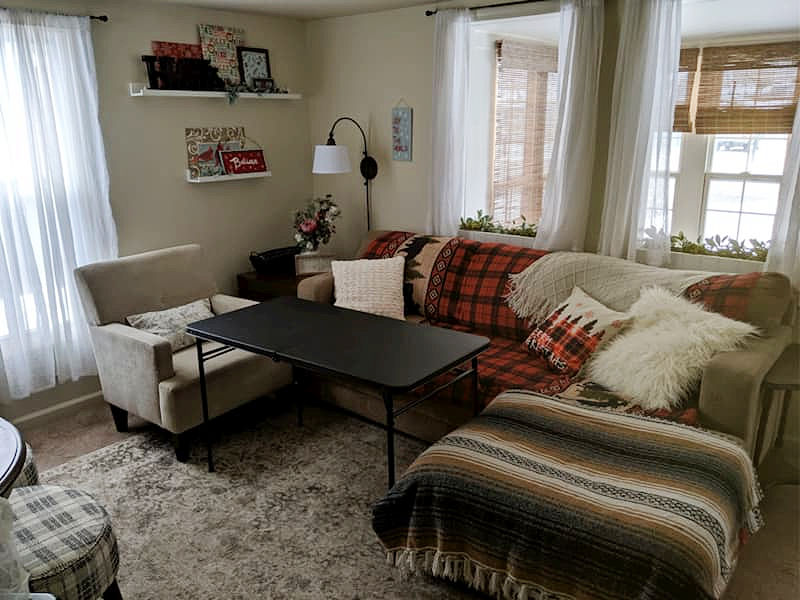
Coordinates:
724 194
755 226
675 153
729 153
761 197
768 154
721 224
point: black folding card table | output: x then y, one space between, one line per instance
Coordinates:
392 356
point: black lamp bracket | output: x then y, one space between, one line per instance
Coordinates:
368 166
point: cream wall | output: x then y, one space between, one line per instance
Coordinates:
362 66
153 205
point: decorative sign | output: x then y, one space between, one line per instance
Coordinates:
219 46
203 147
239 162
402 127
176 49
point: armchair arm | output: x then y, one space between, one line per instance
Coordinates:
318 288
730 392
223 303
131 363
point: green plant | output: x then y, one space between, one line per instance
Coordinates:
486 223
720 246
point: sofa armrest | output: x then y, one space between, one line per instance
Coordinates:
223 303
730 392
131 363
317 288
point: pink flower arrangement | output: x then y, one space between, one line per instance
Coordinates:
314 224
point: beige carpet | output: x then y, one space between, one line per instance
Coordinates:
288 513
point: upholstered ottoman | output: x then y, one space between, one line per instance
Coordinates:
29 474
65 542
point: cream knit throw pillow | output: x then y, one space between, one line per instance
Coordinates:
370 285
662 355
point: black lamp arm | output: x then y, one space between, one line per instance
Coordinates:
354 122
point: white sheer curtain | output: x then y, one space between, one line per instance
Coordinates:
450 85
567 191
784 251
642 110
54 208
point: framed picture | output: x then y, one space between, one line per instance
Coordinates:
263 84
253 64
402 132
204 146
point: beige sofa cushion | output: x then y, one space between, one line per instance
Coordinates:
232 379
171 323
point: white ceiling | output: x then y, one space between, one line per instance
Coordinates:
702 20
303 9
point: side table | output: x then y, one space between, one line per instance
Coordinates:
260 286
784 376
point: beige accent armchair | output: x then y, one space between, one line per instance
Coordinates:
138 371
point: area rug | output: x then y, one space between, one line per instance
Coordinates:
287 514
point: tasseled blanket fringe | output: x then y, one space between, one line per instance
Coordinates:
457 567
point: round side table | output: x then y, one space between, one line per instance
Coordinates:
12 456
784 376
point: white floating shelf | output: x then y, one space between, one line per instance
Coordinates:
140 90
220 178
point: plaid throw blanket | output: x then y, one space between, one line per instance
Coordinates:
548 282
540 499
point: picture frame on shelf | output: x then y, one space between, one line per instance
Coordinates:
263 85
253 64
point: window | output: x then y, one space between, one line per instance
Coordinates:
733 117
525 109
741 185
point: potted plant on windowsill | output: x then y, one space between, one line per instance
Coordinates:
482 228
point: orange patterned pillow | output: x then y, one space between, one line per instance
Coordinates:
574 331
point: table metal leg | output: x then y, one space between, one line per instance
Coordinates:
476 402
388 402
204 400
298 397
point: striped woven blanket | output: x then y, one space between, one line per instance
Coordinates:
541 499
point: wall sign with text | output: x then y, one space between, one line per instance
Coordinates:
239 162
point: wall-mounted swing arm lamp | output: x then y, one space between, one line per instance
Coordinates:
331 159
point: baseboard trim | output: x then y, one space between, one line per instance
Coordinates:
45 414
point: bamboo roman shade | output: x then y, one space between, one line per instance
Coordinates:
738 89
526 106
687 70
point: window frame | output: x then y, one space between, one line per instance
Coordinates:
692 184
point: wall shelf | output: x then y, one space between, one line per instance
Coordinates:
221 178
140 90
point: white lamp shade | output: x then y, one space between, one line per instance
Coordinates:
331 159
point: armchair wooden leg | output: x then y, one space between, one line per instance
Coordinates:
112 593
120 416
182 446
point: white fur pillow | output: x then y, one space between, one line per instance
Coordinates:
370 285
661 357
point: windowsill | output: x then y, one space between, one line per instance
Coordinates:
678 260
501 238
705 262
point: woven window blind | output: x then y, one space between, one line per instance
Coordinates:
526 107
687 71
740 89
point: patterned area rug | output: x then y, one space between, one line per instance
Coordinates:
286 515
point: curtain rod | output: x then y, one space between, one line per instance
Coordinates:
102 18
430 13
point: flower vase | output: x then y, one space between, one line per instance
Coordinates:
310 262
